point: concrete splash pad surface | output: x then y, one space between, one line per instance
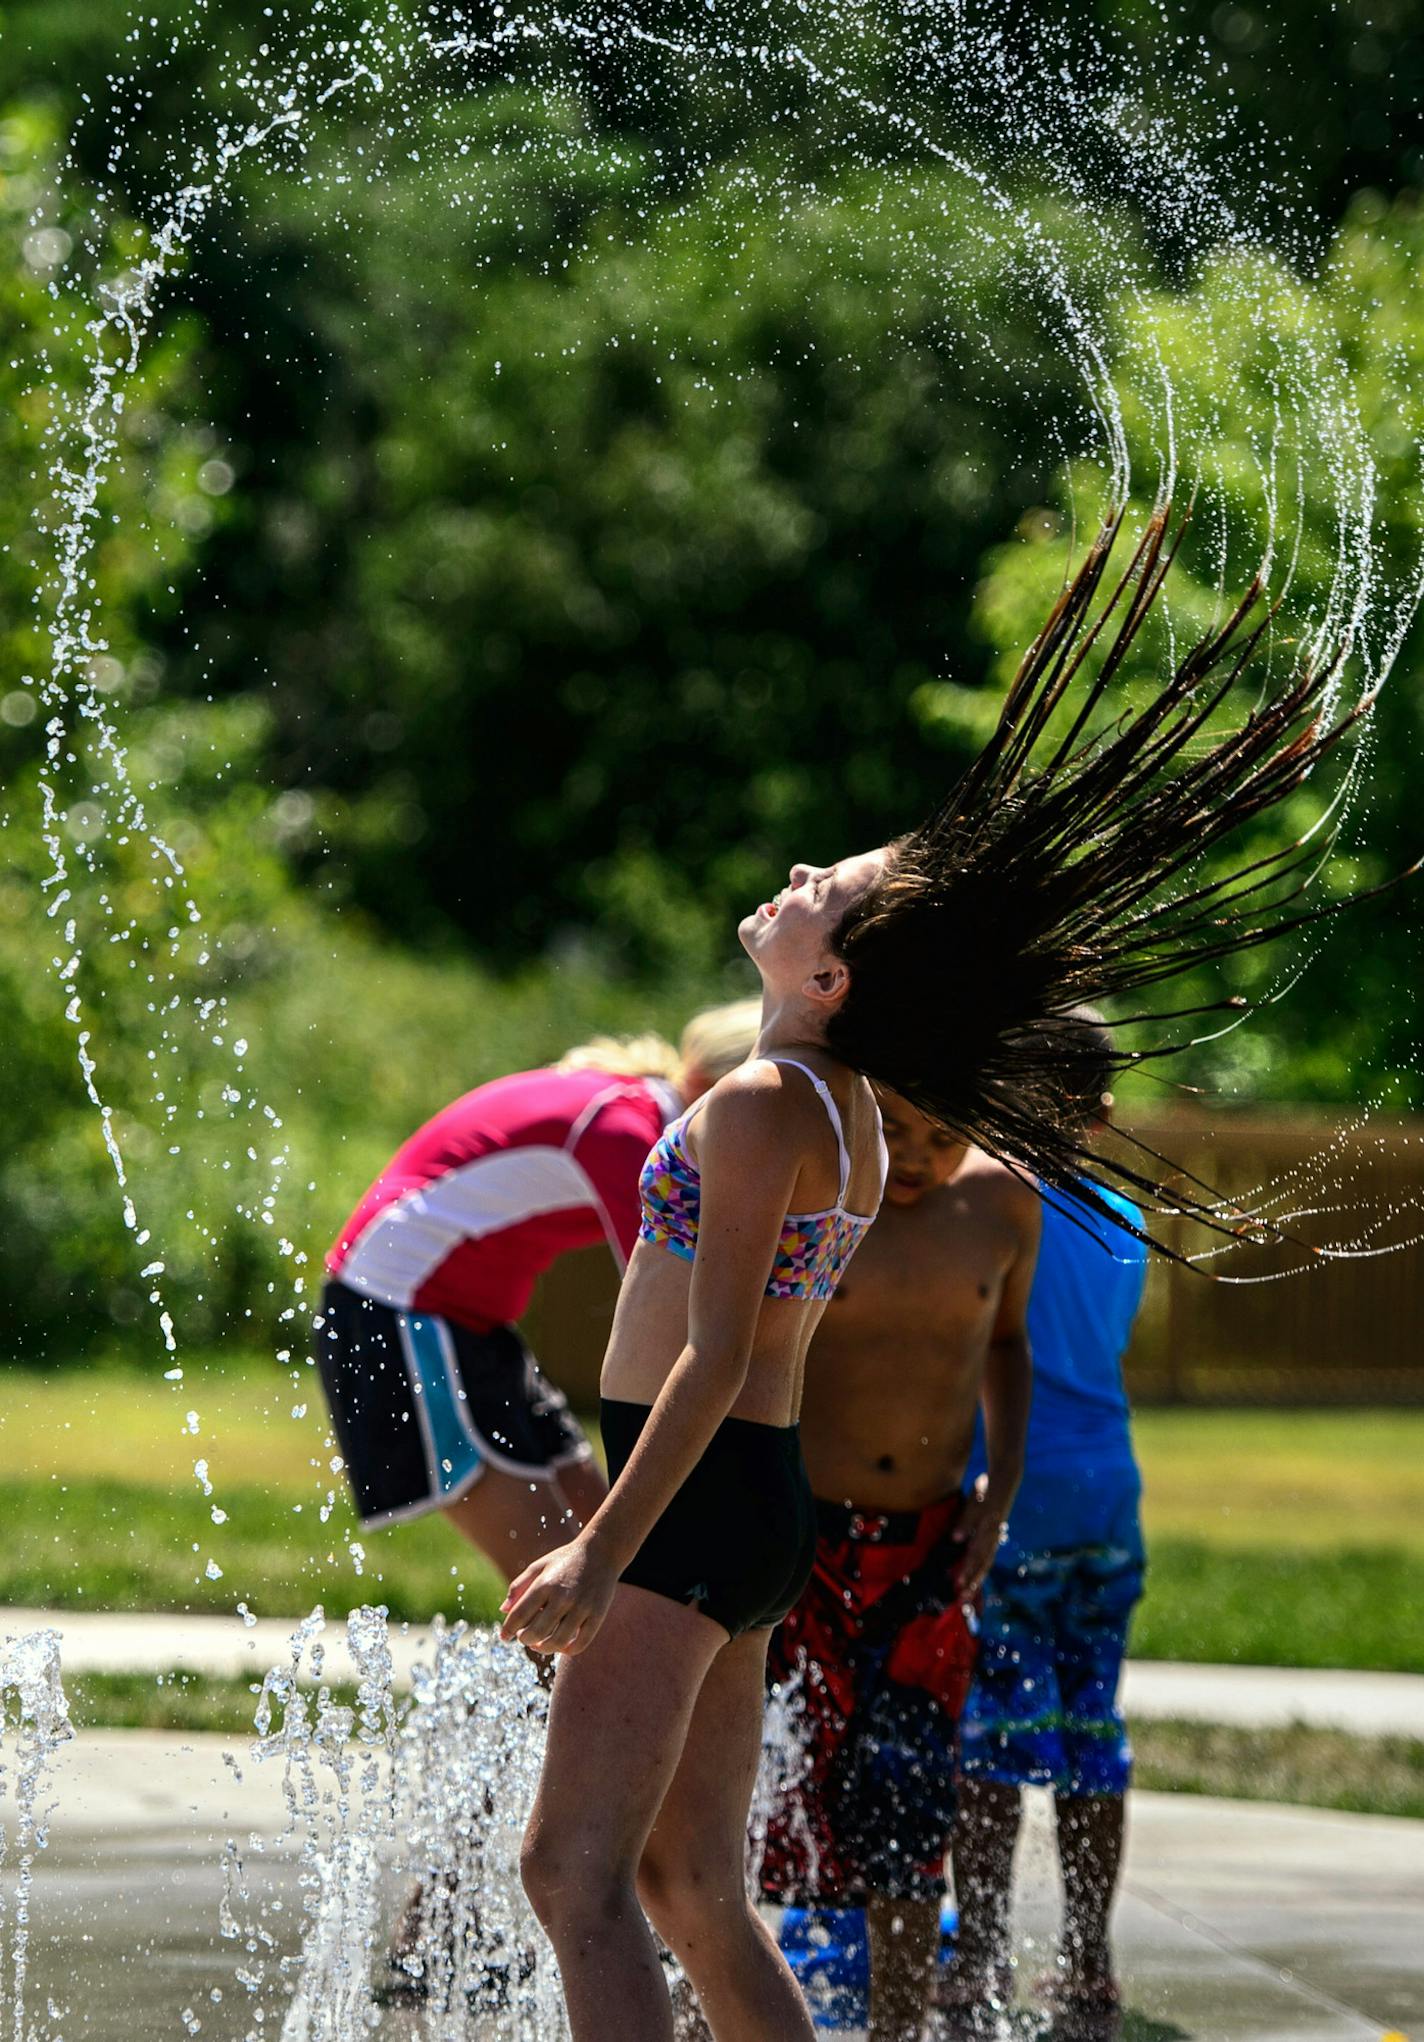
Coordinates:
1239 1922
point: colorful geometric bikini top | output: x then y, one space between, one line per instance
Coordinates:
814 1247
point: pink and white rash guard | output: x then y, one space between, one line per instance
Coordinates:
473 1209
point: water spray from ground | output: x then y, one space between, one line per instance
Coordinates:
34 1723
410 1812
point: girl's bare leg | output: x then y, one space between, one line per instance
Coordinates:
513 1519
618 1722
692 1879
582 1485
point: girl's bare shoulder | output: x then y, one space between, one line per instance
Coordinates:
774 1098
753 1102
757 1088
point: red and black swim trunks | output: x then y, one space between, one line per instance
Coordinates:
875 1660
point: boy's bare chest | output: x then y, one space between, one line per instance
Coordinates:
934 1268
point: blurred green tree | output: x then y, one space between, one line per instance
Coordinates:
633 571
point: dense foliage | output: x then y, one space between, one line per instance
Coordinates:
502 590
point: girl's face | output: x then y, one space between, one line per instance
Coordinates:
789 938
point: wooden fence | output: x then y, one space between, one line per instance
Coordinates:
1339 1330
1274 1326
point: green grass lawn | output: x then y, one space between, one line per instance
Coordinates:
1313 1768
1309 1481
103 1507
171 1701
1276 1538
254 1427
104 1544
1270 1606
1284 1538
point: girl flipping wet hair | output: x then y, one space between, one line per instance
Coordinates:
1063 868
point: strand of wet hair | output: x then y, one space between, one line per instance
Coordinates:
1058 876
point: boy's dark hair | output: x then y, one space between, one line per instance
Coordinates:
1085 1045
1064 870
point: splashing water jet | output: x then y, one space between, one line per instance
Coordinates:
34 1723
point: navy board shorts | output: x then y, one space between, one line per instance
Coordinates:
421 1406
1043 1709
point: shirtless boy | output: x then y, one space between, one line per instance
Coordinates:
928 1324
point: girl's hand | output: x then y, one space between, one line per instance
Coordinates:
559 1601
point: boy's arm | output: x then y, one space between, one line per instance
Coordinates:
1005 1397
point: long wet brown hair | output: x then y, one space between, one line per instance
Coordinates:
1066 867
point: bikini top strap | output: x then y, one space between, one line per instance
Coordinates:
823 1092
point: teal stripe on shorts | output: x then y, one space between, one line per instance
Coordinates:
430 1357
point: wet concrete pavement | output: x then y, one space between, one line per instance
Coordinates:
1238 1922
1243 1922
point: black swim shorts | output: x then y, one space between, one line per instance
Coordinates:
738 1539
422 1407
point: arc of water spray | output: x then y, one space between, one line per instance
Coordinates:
132 301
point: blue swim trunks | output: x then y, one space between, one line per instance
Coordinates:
1043 1708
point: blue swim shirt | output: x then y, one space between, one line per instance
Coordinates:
1079 1470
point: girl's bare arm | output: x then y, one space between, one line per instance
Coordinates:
749 1158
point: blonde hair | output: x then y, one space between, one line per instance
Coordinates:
625 1056
714 1042
719 1038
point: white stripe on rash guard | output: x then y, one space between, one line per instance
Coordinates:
668 1105
408 1239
